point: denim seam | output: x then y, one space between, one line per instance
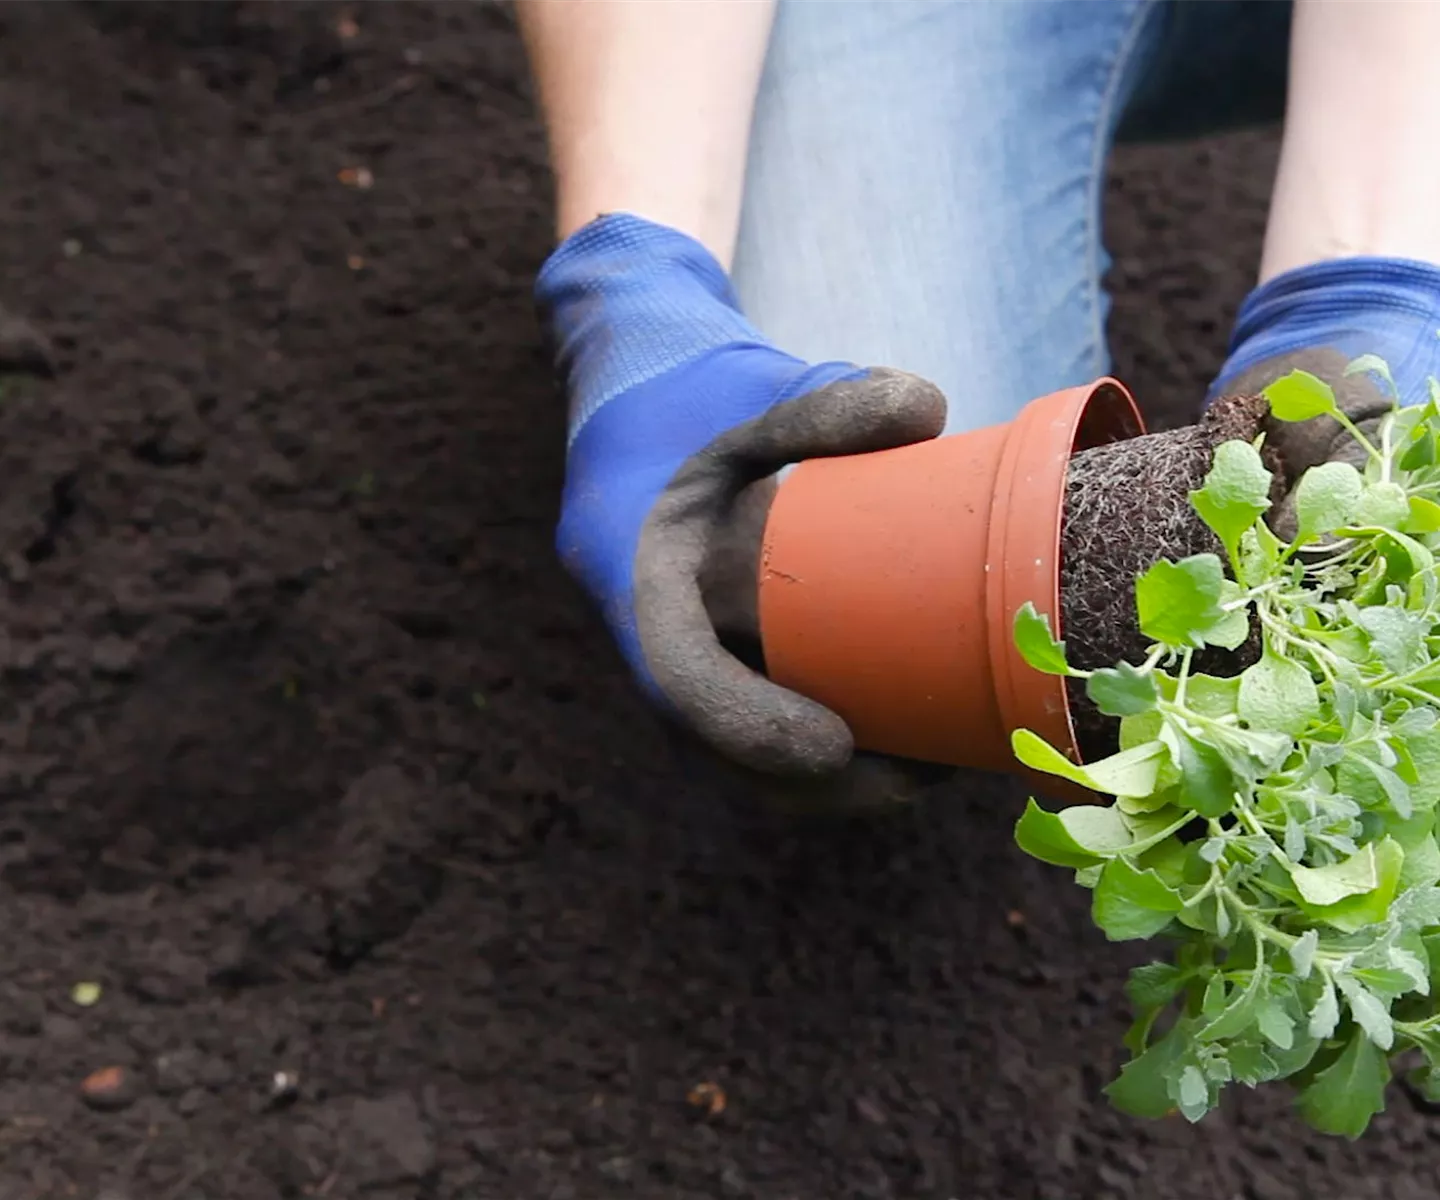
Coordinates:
1104 125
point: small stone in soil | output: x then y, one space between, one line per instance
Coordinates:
709 1098
113 656
24 1013
618 1170
177 1071
109 1089
732 1181
284 1087
868 1110
23 348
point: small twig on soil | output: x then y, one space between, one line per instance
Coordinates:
473 870
21 1128
398 87
188 1181
111 858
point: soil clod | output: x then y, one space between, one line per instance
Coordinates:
24 350
1127 506
109 1089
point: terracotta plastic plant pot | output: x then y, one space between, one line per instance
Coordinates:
889 582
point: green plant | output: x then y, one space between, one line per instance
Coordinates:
1278 826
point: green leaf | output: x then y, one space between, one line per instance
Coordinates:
1212 697
1398 546
1275 1025
1375 364
1080 836
1411 832
1139 729
1241 1012
1128 773
1146 826
1207 785
1122 691
1424 751
1178 601
1037 645
1231 626
1260 552
1213 1002
1142 1088
1370 1014
1154 985
1302 953
1349 1092
1329 885
1419 909
1366 883
1298 1057
1130 904
1396 636
1251 1063
1426 1081
1326 498
1354 876
1299 396
1235 494
1414 963
1394 788
1325 1015
1424 516
1383 505
1420 453
1422 865
1192 1093
1278 693
1386 983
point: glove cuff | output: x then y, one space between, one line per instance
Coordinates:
1384 306
626 300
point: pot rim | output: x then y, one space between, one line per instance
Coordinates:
1050 430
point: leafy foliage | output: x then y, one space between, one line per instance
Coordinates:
1278 830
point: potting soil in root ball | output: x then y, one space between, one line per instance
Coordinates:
1127 505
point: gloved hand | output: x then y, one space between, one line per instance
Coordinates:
677 407
1320 318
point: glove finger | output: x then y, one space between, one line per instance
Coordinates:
1305 444
879 411
736 710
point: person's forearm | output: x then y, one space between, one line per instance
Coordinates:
1360 164
648 105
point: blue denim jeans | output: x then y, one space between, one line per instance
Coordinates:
926 176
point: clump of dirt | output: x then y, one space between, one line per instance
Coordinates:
1127 505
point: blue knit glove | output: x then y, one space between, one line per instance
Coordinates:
677 406
1320 318
1388 307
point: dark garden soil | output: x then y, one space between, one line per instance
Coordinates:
312 758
